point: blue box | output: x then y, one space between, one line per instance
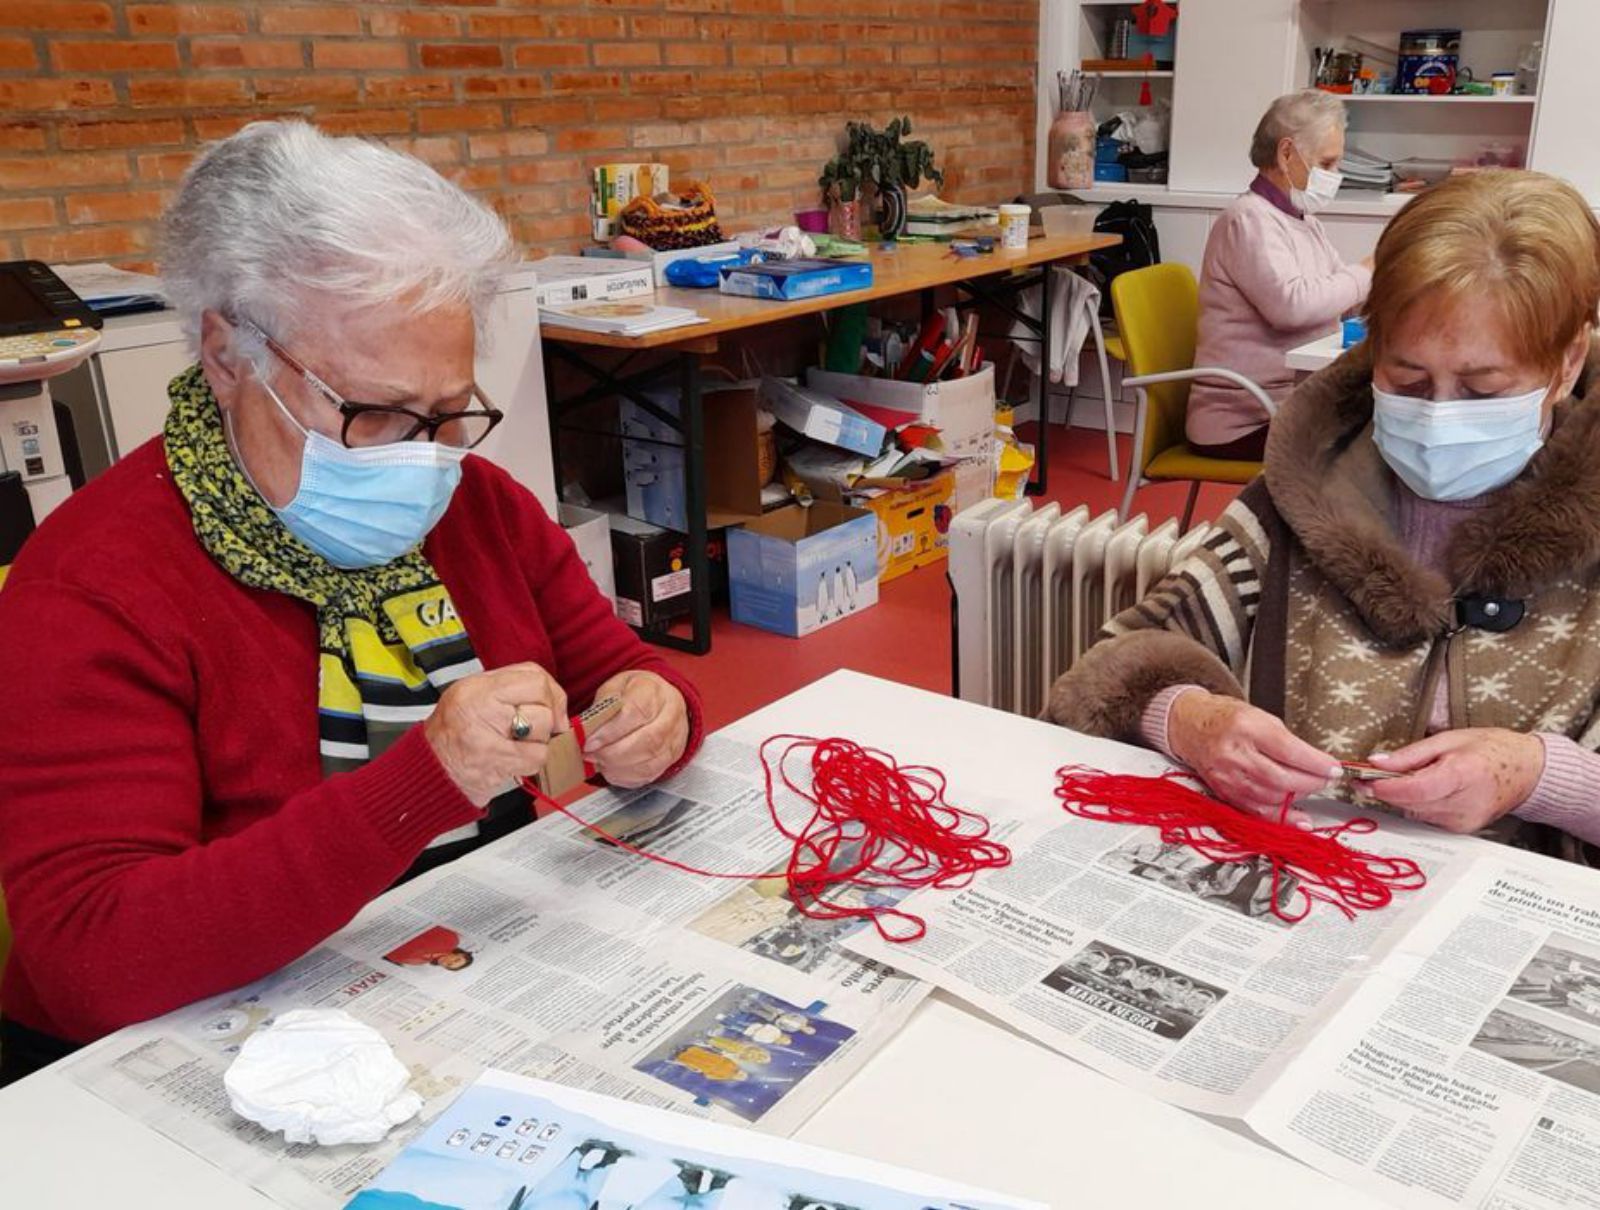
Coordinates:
823 418
1110 172
789 280
797 569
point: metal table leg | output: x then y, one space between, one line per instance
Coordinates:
694 457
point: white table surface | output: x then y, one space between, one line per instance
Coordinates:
953 1094
1314 355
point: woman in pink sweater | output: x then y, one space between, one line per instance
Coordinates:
1271 280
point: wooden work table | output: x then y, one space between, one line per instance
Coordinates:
610 363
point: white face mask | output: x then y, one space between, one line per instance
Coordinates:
1455 449
1321 188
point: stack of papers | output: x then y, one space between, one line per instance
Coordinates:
1364 171
112 291
625 318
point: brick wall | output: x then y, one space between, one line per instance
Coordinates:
103 102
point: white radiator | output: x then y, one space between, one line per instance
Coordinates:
1034 587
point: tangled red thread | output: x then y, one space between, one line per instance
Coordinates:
876 827
1311 865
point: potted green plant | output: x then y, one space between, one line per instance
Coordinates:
887 162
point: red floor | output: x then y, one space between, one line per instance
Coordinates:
906 636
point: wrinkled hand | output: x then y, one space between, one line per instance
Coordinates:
646 737
1245 755
470 728
1461 780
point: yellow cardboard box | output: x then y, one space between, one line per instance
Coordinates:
913 525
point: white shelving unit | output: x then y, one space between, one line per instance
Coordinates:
1397 126
1418 99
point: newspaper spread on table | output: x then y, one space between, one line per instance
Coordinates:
1442 1051
589 966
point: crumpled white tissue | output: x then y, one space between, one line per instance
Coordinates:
321 1076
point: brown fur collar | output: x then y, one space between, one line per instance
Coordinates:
1330 485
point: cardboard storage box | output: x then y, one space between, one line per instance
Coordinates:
797 569
913 525
653 460
962 409
591 534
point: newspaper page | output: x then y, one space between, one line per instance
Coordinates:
1465 1068
1146 961
556 955
511 1141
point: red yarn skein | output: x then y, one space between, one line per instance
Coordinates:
874 824
1326 869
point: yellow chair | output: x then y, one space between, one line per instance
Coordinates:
1158 312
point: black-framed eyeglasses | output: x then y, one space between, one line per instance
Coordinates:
382 423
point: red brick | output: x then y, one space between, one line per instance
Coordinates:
311 19
663 27
360 56
147 132
459 117
212 127
186 19
822 53
21 136
247 52
56 14
626 54
164 166
19 213
602 82
474 176
509 144
96 243
306 90
365 121
435 150
545 172
63 171
760 55
16 54
478 88
460 54
663 81
186 93
123 207
410 88
21 95
588 138
550 54
507 25
114 56
696 54
553 111
384 24
625 109
589 28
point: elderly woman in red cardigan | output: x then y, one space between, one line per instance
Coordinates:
304 645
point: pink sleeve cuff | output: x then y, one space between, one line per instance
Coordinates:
1156 717
1567 795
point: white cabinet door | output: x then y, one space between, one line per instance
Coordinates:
1234 57
1563 131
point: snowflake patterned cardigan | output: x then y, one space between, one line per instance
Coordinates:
1306 600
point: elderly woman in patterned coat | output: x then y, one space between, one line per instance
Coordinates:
1414 581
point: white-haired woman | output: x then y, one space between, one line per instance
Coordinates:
1271 280
216 652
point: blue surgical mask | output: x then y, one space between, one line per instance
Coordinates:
367 506
1455 449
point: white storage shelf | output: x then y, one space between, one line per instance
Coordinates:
1405 98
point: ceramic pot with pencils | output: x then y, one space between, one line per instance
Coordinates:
1071 162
